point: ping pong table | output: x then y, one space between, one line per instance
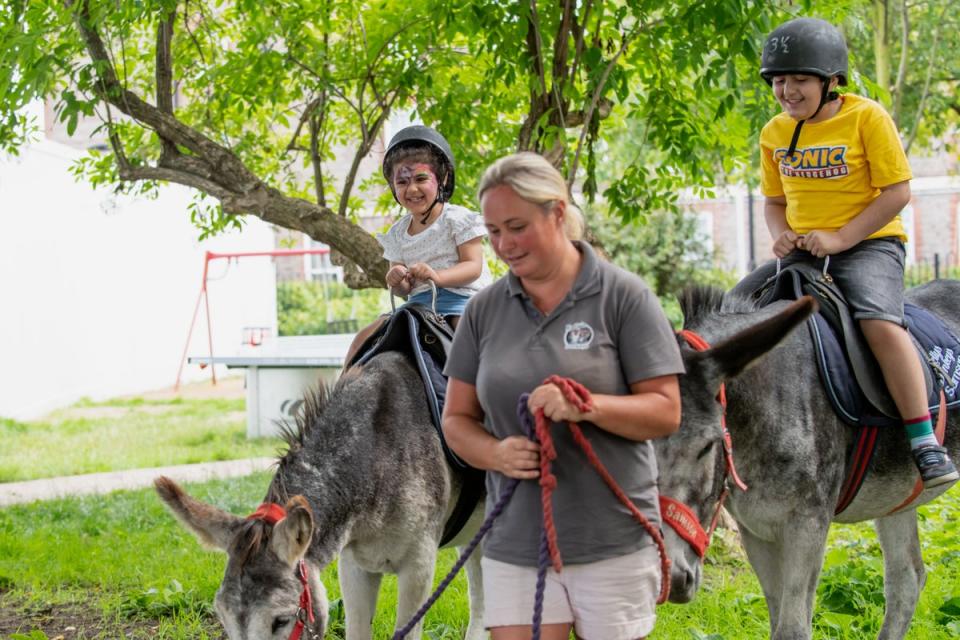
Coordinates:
279 371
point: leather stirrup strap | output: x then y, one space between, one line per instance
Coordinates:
859 463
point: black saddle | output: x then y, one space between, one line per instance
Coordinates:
847 366
425 338
850 373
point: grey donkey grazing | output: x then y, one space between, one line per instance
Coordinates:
376 489
791 450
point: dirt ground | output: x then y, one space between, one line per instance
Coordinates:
71 622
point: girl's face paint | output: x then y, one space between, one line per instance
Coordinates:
416 186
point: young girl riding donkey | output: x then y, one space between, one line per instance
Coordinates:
435 241
835 179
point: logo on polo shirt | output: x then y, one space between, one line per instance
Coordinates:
578 335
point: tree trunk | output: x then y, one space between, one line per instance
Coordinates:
881 46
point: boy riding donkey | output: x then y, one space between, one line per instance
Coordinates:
835 178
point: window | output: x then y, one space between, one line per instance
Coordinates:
319 267
705 228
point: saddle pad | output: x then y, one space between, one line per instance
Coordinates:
938 349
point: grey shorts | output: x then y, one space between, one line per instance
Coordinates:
869 274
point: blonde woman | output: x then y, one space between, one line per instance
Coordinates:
561 310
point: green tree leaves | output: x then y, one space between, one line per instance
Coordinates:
277 109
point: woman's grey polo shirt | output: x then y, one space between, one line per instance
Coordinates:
609 332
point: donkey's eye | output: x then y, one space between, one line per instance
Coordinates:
280 622
707 449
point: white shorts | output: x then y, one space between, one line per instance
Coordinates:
612 599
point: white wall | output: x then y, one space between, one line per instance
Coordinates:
97 291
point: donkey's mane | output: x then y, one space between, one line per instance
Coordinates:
315 402
698 301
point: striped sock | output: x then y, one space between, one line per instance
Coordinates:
920 431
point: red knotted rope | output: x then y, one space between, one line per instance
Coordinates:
578 395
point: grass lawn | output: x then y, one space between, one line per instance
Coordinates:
129 433
119 566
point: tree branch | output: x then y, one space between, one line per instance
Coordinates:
304 117
189 31
222 162
216 171
134 173
370 136
561 49
164 77
900 83
921 104
537 100
579 117
595 100
881 44
164 65
378 56
316 129
304 66
578 29
535 46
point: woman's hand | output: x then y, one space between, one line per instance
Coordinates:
517 457
555 405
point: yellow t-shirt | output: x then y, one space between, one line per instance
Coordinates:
838 167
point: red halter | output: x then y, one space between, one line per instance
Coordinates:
680 516
272 513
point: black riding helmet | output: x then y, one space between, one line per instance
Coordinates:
806 46
419 136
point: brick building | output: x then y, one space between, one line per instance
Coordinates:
734 225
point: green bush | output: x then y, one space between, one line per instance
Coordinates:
314 308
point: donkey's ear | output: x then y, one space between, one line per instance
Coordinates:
738 352
214 527
291 536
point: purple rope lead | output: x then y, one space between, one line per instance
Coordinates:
543 560
527 423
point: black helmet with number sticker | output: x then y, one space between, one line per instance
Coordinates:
807 46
